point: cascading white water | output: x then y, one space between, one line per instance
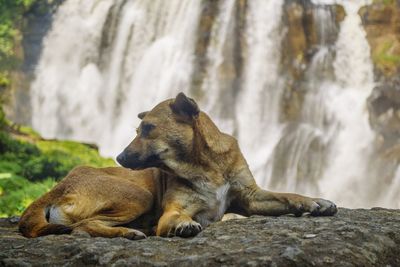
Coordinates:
216 80
298 156
333 138
91 91
391 198
346 174
105 61
258 104
68 80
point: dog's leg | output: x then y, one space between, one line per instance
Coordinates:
176 223
263 202
99 228
108 223
254 200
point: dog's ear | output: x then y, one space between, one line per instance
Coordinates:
213 137
142 114
185 107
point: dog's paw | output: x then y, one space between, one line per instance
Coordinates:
187 229
133 234
299 205
326 208
314 206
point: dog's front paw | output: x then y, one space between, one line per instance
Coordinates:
315 206
326 208
299 204
187 229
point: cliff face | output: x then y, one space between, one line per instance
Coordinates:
381 21
307 27
351 238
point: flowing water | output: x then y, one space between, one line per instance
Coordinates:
105 61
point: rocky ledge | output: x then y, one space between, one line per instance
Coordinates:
351 238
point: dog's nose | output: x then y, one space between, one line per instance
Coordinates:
121 158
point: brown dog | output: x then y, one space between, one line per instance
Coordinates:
98 201
210 173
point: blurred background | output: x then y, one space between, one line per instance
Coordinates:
310 88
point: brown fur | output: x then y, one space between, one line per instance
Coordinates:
97 201
178 138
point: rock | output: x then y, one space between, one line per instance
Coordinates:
384 111
308 236
381 21
351 238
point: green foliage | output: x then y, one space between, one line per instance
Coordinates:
3 121
73 153
45 159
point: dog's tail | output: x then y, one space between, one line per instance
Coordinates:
34 222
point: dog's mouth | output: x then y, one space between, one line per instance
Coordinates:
133 161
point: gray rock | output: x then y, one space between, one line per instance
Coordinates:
351 238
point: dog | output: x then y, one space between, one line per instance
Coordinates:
209 174
106 202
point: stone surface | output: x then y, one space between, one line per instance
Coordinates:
351 238
384 111
381 21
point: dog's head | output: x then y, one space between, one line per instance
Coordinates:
165 132
173 131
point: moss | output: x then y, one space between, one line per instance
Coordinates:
386 57
28 131
384 2
68 154
43 158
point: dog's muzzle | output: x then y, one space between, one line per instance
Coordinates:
128 160
134 161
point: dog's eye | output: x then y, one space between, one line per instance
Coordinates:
146 128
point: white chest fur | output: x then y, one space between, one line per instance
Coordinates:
222 199
216 201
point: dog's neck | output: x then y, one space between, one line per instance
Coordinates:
215 156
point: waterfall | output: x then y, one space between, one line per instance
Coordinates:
217 72
352 145
258 104
105 61
299 154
